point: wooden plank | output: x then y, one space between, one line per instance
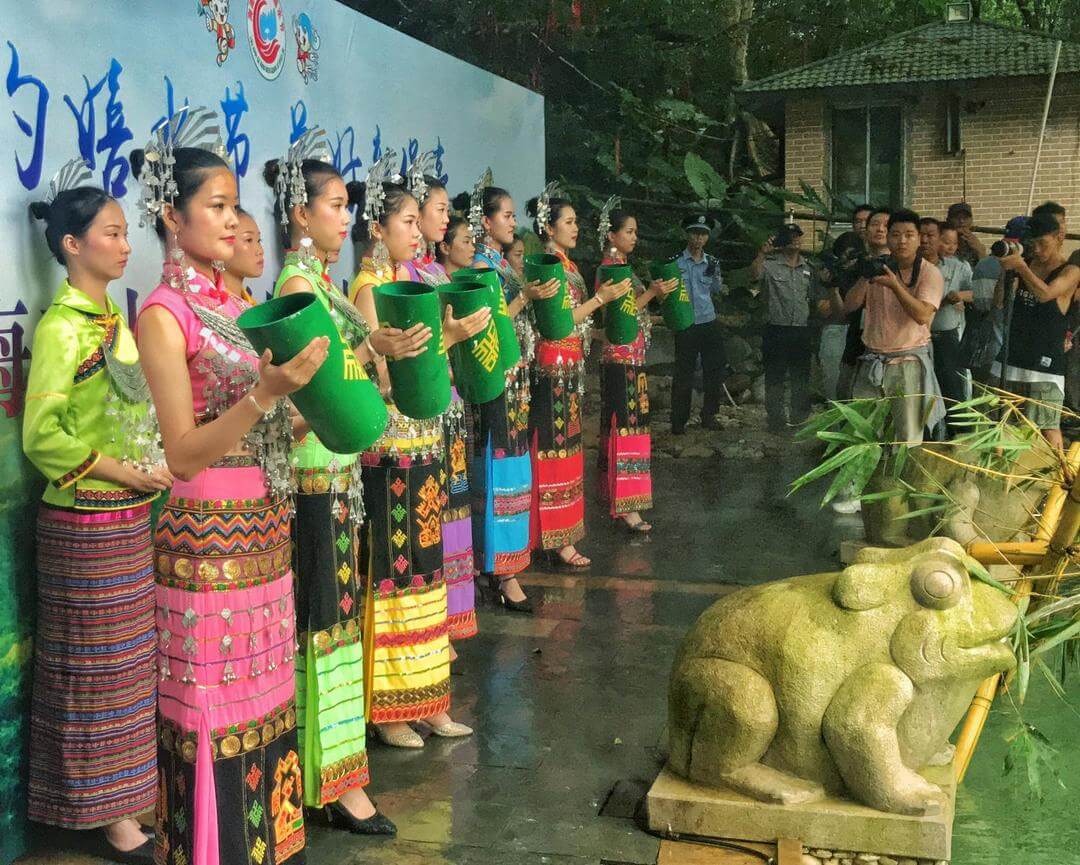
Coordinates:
686 853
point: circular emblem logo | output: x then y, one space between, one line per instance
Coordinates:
266 36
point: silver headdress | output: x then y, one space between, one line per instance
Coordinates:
476 203
604 226
289 188
189 127
72 174
374 194
543 206
423 166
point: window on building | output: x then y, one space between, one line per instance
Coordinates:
867 154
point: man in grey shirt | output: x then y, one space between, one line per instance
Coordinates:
945 329
791 290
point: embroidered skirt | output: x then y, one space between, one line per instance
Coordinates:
625 478
502 479
406 632
459 571
92 719
330 718
558 504
231 788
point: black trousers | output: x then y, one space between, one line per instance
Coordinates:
707 342
949 370
785 354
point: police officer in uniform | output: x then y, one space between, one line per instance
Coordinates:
701 276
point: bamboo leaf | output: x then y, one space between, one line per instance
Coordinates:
977 570
900 460
921 512
834 462
858 422
1068 633
882 496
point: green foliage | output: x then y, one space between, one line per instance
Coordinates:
1030 751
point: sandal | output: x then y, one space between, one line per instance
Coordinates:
495 586
640 526
577 562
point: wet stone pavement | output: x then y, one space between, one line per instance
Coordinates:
571 702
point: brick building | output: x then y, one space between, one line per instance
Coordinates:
946 112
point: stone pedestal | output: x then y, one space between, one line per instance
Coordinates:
679 806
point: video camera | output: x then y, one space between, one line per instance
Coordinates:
1009 246
849 260
1016 241
874 266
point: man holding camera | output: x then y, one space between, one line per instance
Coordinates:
1047 284
899 296
945 328
970 248
701 276
790 288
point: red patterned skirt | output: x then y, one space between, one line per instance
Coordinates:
558 502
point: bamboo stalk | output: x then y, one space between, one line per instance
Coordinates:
1008 552
1061 506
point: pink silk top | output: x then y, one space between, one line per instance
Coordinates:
202 343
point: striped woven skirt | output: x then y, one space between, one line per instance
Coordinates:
625 452
92 729
459 570
502 479
406 632
558 502
330 718
231 788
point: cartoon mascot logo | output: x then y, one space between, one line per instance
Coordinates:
266 35
307 47
216 13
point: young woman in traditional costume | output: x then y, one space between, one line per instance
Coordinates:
459 570
558 387
312 206
249 258
625 451
230 779
407 644
90 429
515 256
457 249
502 473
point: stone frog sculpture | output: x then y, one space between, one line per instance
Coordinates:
839 683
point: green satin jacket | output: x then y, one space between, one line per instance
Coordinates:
70 419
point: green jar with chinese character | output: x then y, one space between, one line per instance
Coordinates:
509 348
421 384
478 368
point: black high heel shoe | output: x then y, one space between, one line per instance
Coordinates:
101 846
495 587
339 817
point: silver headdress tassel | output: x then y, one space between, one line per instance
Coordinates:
543 206
423 166
374 194
72 174
289 188
604 226
189 127
476 204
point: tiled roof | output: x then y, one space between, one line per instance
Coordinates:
933 52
